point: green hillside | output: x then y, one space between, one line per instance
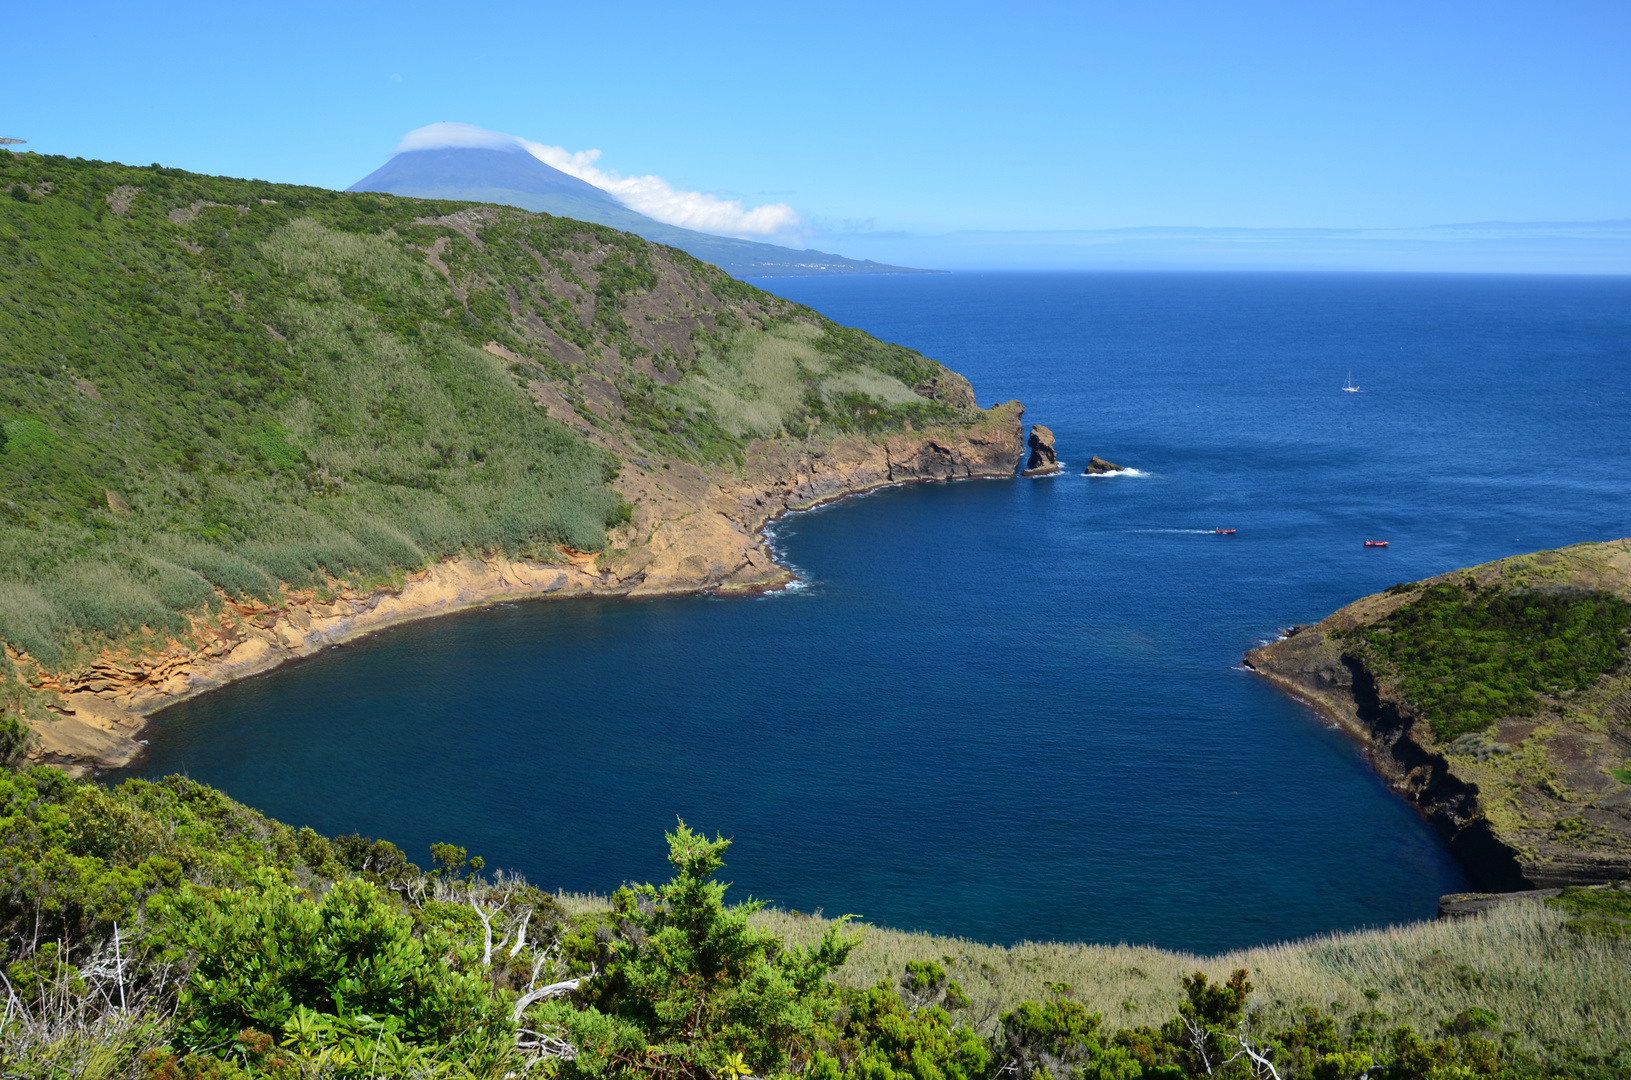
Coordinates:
1512 680
217 386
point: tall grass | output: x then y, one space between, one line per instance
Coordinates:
762 383
756 383
1548 986
89 1022
300 400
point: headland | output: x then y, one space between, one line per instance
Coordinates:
279 418
1498 699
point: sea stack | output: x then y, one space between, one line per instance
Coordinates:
1097 466
1043 459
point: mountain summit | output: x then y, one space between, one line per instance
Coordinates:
509 175
514 177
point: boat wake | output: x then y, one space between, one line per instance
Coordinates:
1183 532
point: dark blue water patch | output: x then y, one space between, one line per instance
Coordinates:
1009 709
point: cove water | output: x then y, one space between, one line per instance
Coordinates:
1010 709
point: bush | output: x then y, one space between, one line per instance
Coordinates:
693 989
1465 657
326 973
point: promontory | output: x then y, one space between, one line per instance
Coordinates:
243 421
1499 699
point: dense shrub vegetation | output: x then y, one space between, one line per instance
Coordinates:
234 384
1603 912
162 930
1465 657
225 387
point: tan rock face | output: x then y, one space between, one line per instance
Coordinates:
1044 459
1536 803
691 530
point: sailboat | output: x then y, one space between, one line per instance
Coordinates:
1349 387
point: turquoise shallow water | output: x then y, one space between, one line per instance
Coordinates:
1009 709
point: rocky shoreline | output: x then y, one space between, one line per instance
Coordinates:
1537 803
690 531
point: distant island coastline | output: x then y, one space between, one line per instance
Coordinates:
511 176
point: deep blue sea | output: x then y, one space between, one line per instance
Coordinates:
1010 709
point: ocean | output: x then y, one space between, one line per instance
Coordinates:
1010 709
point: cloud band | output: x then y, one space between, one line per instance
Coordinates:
650 195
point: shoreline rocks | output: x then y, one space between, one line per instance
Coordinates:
692 531
1467 904
1044 460
1097 466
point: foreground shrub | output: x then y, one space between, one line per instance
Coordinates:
164 930
690 988
345 974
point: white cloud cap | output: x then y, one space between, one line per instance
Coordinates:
459 136
650 195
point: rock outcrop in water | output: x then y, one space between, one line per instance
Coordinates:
1097 466
1043 459
1537 801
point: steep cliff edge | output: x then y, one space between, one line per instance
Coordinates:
1537 799
244 421
1044 459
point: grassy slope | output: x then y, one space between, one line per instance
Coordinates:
1520 672
1546 984
225 387
1550 987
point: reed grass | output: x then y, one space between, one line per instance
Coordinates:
1550 988
217 386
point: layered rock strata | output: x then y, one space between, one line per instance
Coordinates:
1467 904
691 530
1539 801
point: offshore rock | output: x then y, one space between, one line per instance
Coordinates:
1097 466
1043 458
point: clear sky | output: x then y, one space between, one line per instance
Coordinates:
924 118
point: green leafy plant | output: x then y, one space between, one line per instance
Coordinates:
346 976
1466 657
688 987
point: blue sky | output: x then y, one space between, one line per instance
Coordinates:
882 118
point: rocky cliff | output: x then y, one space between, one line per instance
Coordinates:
245 420
1044 459
691 530
1540 800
